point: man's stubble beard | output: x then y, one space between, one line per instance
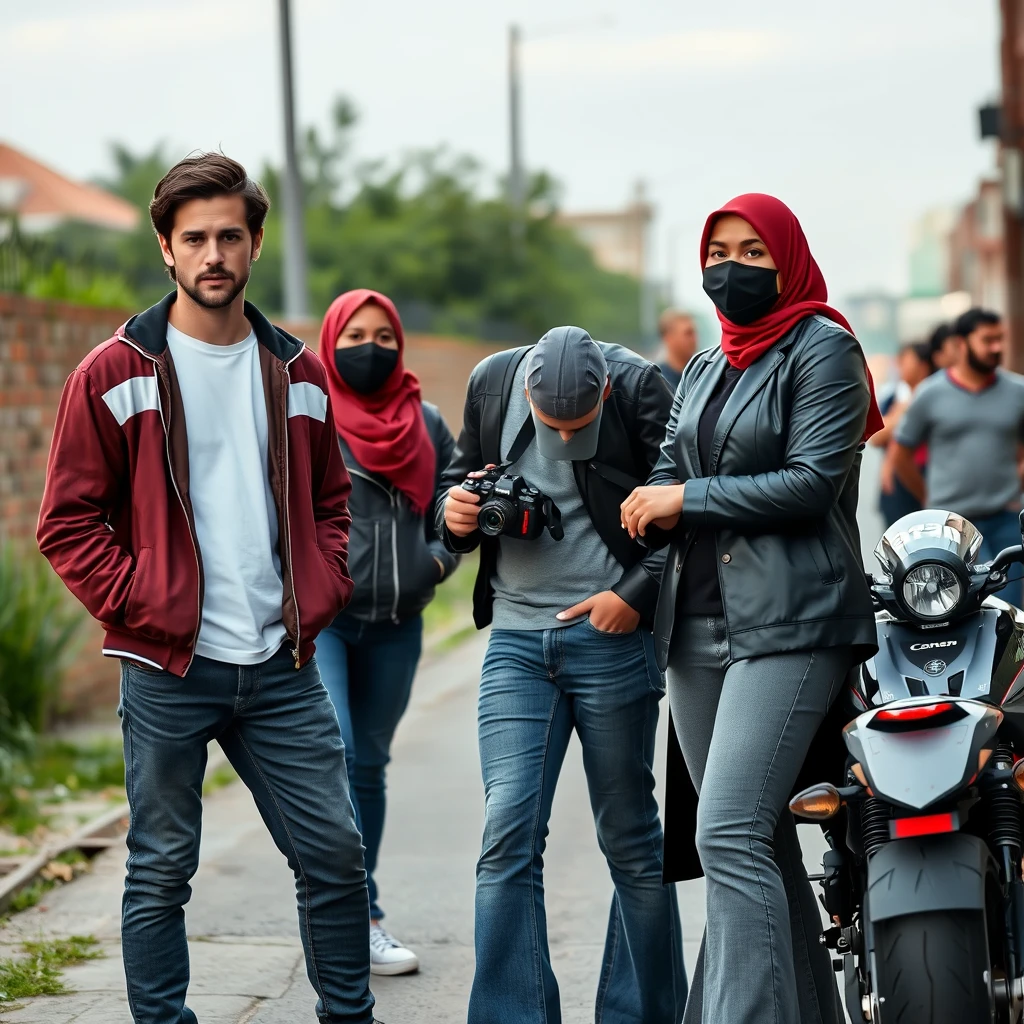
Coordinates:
192 291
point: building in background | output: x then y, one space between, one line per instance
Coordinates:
618 239
41 198
977 248
620 242
936 292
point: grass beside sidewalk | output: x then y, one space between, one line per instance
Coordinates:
36 971
453 601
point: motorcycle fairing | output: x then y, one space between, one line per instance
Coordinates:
917 767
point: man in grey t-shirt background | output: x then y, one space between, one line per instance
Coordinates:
972 419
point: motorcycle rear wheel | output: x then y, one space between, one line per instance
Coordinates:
933 969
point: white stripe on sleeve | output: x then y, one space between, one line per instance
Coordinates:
306 399
135 395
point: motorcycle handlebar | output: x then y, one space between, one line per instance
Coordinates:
1006 557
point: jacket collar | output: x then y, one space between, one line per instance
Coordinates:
148 330
750 383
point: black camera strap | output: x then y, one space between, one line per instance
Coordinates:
526 434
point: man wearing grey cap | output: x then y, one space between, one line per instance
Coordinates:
570 649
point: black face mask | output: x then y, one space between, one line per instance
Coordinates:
364 368
741 292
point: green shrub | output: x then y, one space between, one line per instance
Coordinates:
38 626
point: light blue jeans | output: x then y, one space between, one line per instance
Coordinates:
278 729
368 669
536 688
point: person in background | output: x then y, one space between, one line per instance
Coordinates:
972 419
678 332
395 446
914 365
196 504
944 344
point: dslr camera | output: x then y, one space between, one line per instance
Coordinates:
510 506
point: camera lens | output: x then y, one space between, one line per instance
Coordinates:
494 515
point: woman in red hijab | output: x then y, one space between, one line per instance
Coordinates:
395 447
764 605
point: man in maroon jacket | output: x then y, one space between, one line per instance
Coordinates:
196 504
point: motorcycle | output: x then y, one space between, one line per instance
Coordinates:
922 880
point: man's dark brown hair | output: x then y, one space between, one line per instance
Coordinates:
203 177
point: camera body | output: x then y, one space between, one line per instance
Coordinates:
510 506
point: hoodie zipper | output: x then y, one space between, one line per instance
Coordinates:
165 422
287 514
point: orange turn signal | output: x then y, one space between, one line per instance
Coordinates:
819 803
1018 774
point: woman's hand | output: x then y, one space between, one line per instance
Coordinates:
661 506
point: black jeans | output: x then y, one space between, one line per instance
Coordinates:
279 730
745 728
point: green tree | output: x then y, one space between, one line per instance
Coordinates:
427 228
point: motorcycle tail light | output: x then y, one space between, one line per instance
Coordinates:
819 803
923 825
913 714
917 716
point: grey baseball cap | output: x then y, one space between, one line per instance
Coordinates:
566 374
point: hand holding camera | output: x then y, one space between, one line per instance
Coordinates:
461 509
499 503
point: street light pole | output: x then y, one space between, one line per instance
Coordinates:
516 186
296 306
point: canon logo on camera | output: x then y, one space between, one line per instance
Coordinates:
932 646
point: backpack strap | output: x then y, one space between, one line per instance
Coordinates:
501 371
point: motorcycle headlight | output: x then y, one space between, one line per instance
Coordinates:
931 590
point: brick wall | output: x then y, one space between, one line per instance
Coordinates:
41 343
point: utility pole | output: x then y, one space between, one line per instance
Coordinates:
1011 162
516 184
296 302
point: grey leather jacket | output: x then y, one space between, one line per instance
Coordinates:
781 494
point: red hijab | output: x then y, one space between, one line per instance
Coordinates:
384 430
804 292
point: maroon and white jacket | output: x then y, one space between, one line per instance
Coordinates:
116 521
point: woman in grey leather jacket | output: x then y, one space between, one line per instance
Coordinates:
395 446
764 605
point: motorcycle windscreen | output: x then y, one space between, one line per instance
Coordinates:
928 530
916 766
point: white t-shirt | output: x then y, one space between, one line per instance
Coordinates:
236 520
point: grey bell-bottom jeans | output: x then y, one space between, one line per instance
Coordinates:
745 728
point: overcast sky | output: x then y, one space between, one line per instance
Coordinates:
859 115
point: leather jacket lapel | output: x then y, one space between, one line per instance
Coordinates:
687 453
750 383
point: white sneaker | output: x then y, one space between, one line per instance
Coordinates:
388 955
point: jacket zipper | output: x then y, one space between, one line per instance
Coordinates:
394 553
287 514
393 499
376 569
164 421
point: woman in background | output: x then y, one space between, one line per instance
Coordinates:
395 447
